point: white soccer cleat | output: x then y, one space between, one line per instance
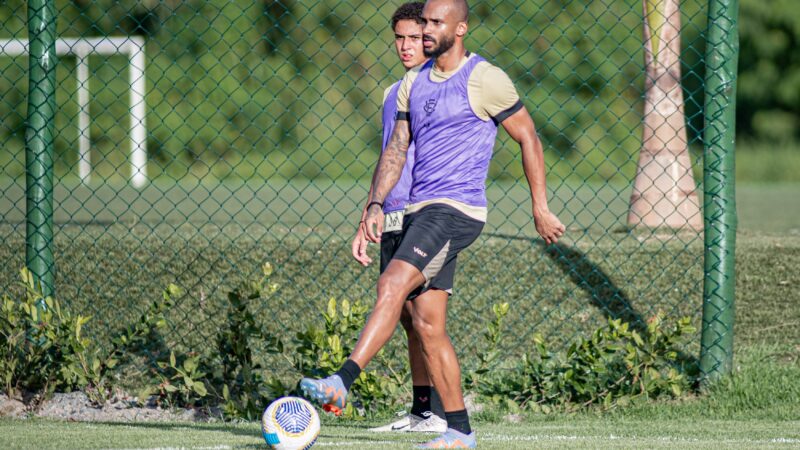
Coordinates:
414 424
433 424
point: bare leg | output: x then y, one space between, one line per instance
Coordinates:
430 317
419 373
394 285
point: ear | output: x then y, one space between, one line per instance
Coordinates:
461 29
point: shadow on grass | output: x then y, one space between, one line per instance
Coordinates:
603 294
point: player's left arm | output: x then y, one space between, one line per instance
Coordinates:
520 127
497 98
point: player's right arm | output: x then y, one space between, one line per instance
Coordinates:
359 244
390 167
392 161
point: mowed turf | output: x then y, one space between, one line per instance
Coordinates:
758 407
567 433
327 204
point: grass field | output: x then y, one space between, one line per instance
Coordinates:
568 433
207 237
601 270
758 407
213 236
334 205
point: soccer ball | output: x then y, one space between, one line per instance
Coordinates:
290 423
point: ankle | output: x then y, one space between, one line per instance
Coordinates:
458 420
422 401
349 372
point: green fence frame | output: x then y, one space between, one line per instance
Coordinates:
719 290
39 143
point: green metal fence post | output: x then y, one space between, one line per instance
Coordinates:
39 142
722 54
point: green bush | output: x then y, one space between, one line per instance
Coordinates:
227 374
293 88
43 348
231 375
615 366
320 352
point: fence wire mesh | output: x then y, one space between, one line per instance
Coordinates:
260 131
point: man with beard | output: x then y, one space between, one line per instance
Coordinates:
426 413
451 106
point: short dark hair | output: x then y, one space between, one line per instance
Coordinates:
408 11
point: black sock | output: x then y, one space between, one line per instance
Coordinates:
458 420
436 403
422 401
348 373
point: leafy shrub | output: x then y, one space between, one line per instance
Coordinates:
488 358
320 352
229 376
616 365
42 348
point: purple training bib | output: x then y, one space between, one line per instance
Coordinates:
453 145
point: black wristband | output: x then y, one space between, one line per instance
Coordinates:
374 203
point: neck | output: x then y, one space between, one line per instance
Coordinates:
409 68
449 60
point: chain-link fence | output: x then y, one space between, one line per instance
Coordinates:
193 141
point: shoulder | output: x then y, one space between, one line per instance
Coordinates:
412 74
404 91
388 91
487 74
492 93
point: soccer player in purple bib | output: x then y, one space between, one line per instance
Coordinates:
427 414
452 106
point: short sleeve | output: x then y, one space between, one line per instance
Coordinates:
404 92
386 94
492 93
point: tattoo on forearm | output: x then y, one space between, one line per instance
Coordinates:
391 163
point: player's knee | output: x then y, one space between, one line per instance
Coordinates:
390 290
426 329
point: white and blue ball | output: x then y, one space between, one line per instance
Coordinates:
290 423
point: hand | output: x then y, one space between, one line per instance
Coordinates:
548 226
359 246
373 223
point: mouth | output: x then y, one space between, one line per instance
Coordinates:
406 57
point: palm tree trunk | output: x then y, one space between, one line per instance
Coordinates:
664 189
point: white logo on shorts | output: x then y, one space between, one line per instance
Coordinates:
420 252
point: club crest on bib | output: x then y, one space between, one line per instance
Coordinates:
430 106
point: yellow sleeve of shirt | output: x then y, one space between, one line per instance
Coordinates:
386 94
404 92
492 94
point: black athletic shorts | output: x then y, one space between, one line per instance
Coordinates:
390 242
431 240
